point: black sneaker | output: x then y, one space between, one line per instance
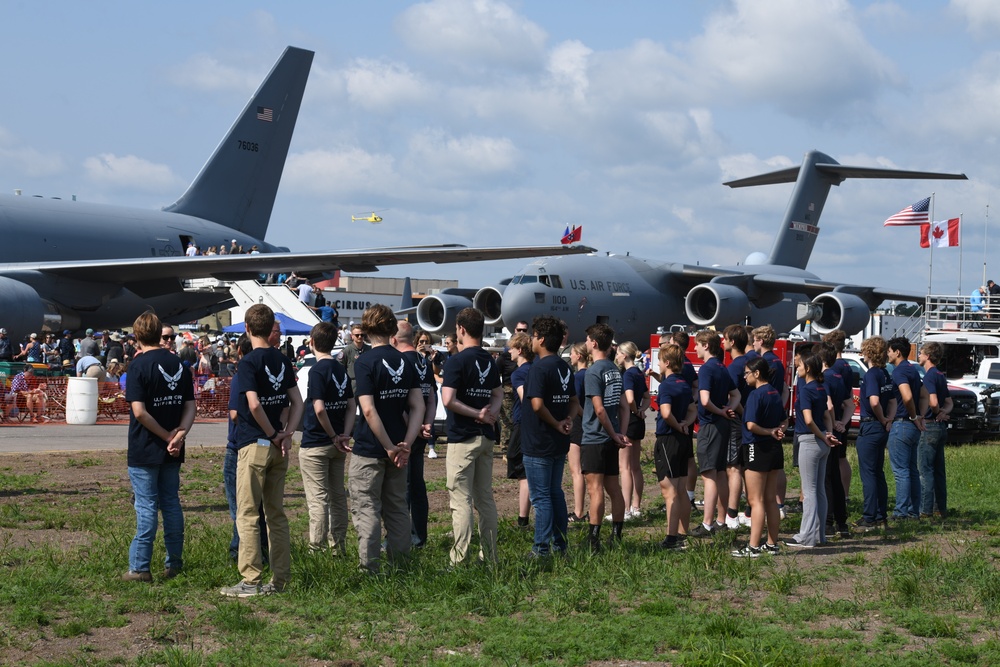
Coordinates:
678 545
795 544
844 531
770 549
865 525
746 552
700 531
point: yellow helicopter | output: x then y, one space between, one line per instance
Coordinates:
372 217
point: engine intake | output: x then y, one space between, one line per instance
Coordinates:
436 313
841 311
713 304
488 300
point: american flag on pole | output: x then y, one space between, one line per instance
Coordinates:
915 214
266 114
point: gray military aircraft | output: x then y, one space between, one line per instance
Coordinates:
635 296
58 270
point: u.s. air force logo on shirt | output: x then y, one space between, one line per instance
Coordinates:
341 386
483 373
396 374
421 366
275 380
564 381
171 380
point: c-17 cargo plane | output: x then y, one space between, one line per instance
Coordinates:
636 296
58 269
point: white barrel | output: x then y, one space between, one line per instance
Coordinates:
81 401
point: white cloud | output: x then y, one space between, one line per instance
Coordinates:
384 86
437 157
808 58
476 32
25 160
130 172
339 174
967 108
982 17
206 72
568 67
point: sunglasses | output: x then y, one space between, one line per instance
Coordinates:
168 337
520 331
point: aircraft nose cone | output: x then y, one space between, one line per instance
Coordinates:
518 304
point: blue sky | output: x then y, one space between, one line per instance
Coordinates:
487 122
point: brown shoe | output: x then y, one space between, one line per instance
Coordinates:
171 572
137 576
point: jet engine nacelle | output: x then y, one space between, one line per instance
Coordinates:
25 312
488 300
712 304
841 311
436 313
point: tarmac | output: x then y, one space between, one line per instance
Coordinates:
68 438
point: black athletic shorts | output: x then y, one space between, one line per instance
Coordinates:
576 433
763 456
713 446
601 459
515 459
671 454
735 452
636 430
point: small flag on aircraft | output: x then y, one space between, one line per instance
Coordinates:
915 214
940 234
265 113
572 236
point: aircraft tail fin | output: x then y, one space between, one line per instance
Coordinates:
795 239
237 185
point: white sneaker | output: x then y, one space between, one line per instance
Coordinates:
633 513
744 520
782 513
732 523
431 454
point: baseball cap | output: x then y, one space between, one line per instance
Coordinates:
90 331
34 335
3 331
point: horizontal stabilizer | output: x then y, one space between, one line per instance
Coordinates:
840 172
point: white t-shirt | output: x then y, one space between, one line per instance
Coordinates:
305 290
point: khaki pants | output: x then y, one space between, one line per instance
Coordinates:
322 471
378 495
260 478
470 486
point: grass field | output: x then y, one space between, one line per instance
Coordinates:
922 593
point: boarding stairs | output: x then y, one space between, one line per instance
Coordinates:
278 298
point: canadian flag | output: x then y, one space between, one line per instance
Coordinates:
940 234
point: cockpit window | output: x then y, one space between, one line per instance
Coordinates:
544 280
556 282
521 280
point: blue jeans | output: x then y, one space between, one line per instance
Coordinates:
544 475
229 482
416 491
156 489
904 439
870 446
930 459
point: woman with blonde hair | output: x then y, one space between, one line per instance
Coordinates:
877 402
636 395
579 360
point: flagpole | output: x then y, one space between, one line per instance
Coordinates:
986 229
930 263
961 249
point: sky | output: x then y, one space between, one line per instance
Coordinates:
492 123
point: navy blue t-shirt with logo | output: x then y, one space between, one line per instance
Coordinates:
269 373
384 374
473 374
812 397
836 389
906 373
158 379
675 392
425 378
550 379
713 378
763 408
329 383
518 379
777 370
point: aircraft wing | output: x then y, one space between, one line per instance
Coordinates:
149 276
753 283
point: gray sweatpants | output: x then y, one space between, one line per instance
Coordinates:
813 456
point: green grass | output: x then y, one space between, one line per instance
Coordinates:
924 593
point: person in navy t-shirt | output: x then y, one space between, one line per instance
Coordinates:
672 450
327 423
878 404
269 408
160 394
930 453
908 424
392 410
546 422
521 355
